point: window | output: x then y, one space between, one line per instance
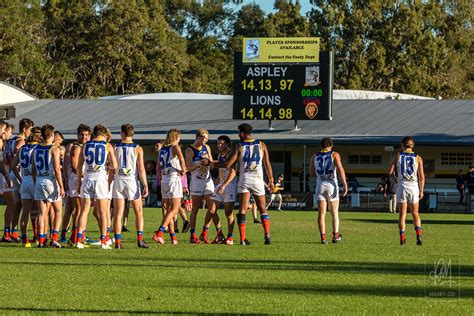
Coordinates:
456 159
365 159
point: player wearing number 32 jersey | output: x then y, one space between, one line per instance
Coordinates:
411 183
324 166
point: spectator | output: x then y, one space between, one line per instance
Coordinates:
470 180
353 183
380 188
461 186
390 191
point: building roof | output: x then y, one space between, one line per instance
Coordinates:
12 94
433 122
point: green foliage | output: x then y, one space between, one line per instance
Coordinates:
91 48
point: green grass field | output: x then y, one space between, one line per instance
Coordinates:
367 273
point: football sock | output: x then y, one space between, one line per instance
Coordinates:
15 233
402 235
418 231
192 231
79 237
219 231
73 238
160 231
205 230
241 223
54 235
24 239
266 223
140 235
118 239
173 236
103 239
6 232
63 233
323 236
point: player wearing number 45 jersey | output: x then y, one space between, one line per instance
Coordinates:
323 165
96 184
411 183
252 155
126 186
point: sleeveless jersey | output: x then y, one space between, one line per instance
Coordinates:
325 166
25 153
203 172
95 158
69 165
43 160
11 144
169 164
251 159
126 154
277 187
224 172
407 167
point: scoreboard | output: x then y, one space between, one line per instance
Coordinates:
283 91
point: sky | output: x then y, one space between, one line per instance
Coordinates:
267 5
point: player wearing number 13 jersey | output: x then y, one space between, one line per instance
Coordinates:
411 183
252 155
324 166
92 166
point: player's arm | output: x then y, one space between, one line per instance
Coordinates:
19 143
393 164
15 168
189 159
56 155
312 169
177 151
141 170
232 175
67 162
80 164
112 162
33 167
268 167
421 176
342 173
158 169
229 162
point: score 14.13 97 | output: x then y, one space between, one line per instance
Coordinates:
267 114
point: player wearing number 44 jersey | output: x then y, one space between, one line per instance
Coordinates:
96 184
411 183
252 155
323 165
126 186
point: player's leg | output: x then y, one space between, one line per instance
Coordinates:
139 222
34 219
401 221
119 205
212 209
8 215
66 219
103 221
334 208
76 214
126 212
272 197
264 216
83 216
243 206
43 212
280 201
25 214
16 216
173 205
416 221
322 208
197 202
229 213
57 209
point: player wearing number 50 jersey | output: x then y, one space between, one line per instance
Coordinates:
252 155
130 169
49 188
411 183
324 166
96 183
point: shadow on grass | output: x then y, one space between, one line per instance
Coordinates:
251 264
409 221
112 311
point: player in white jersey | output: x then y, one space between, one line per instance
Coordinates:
12 195
6 184
73 202
96 183
49 188
324 166
22 168
226 193
202 186
411 183
170 169
130 173
252 156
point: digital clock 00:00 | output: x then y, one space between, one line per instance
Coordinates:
266 114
